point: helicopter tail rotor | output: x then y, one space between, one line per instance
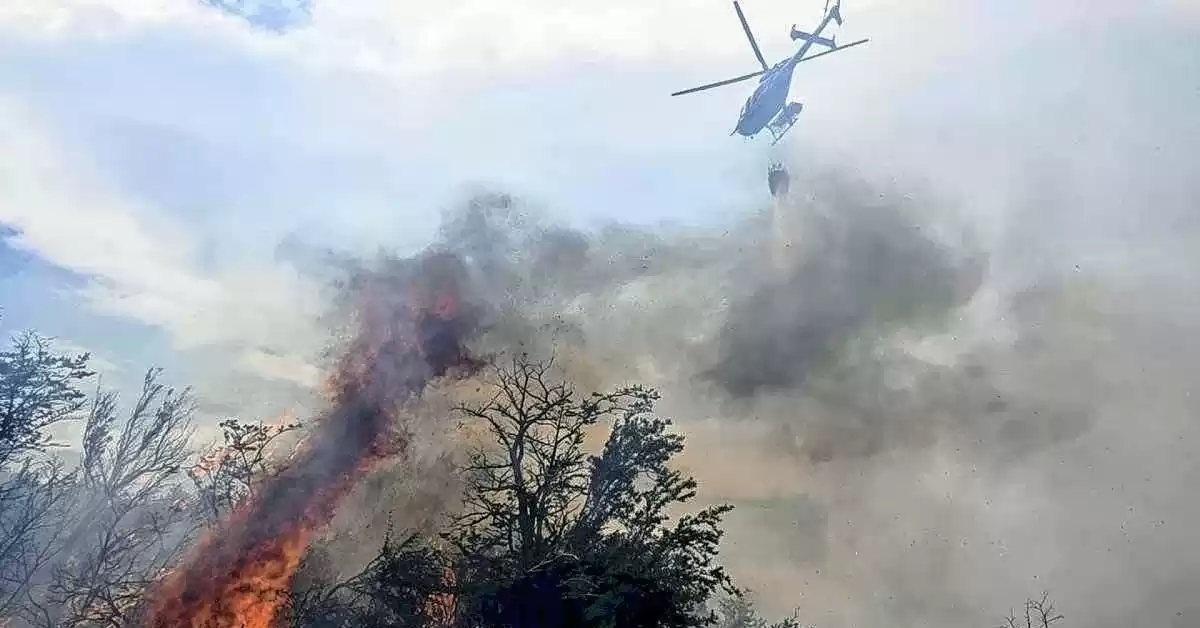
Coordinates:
836 13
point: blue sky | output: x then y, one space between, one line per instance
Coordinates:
155 152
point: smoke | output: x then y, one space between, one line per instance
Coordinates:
918 431
874 264
942 400
922 419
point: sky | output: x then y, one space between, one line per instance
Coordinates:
156 153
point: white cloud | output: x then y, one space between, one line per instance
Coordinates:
70 218
87 19
522 36
430 38
96 362
280 367
139 264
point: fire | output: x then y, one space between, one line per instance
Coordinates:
410 329
215 459
441 608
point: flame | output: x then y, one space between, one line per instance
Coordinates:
410 328
441 608
218 456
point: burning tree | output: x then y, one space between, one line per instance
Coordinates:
549 535
228 474
410 325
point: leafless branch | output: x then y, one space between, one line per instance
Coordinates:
1037 613
228 473
34 516
132 526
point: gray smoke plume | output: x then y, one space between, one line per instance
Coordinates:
951 396
870 262
918 429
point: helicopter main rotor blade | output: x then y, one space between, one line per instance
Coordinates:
750 36
719 83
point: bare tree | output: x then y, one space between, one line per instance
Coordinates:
35 516
530 491
133 526
1039 613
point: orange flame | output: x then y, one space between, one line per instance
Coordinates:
441 608
410 329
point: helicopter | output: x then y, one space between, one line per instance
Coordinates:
768 106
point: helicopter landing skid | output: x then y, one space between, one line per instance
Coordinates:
784 121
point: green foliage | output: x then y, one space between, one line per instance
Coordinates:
399 588
736 611
38 389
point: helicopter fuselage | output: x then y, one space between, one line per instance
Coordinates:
768 106
767 100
